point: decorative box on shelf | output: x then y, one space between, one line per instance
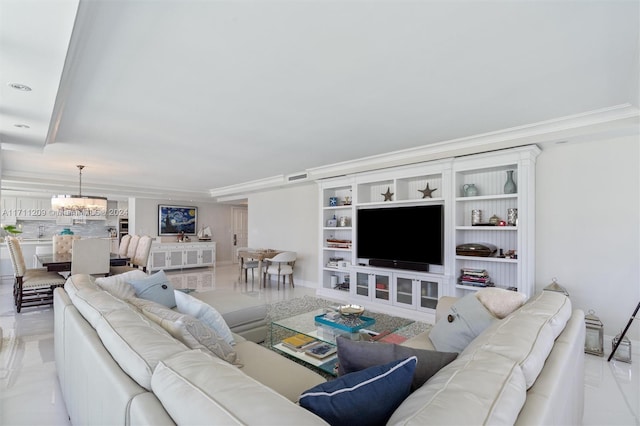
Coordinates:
350 325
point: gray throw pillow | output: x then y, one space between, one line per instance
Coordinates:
356 355
467 318
189 330
156 288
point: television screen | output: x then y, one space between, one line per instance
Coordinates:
402 234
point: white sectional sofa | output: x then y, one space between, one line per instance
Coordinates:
118 367
525 369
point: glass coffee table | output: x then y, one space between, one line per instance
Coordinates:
376 326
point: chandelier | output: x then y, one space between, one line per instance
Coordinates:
79 205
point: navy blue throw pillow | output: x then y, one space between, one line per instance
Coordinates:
368 396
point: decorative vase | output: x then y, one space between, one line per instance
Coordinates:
66 231
470 190
510 186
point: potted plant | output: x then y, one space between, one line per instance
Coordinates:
11 229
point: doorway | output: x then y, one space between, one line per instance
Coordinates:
239 231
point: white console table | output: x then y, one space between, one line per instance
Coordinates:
182 255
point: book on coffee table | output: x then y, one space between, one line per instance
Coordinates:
320 350
299 342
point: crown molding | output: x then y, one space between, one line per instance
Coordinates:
248 187
36 186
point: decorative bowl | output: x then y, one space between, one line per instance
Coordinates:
351 310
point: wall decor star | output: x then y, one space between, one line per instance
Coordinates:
388 196
426 193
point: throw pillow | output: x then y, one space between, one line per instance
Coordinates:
467 318
357 355
189 330
366 397
206 313
156 288
499 301
118 286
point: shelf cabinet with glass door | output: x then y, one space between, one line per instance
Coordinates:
416 291
371 285
495 216
336 235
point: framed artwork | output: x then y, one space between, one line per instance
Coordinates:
172 220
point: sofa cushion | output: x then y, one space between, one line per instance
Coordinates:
239 311
527 335
467 318
89 299
368 396
481 388
155 287
136 343
554 306
206 313
189 330
499 301
77 282
118 285
420 341
94 303
356 355
198 389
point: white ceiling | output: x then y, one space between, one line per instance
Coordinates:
193 99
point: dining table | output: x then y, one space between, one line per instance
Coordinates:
61 262
259 255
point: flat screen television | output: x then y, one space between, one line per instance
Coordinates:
401 237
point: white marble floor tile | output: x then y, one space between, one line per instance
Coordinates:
612 391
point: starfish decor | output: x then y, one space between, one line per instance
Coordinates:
426 193
388 196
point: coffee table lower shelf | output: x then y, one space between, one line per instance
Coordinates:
328 364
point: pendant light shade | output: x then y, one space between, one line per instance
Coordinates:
79 205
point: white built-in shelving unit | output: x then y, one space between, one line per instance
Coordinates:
488 172
401 291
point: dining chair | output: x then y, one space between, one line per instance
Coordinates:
31 287
131 249
63 243
139 259
247 263
281 265
91 256
124 245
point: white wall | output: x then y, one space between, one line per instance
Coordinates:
287 219
587 227
217 216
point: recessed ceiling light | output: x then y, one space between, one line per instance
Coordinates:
22 126
18 86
